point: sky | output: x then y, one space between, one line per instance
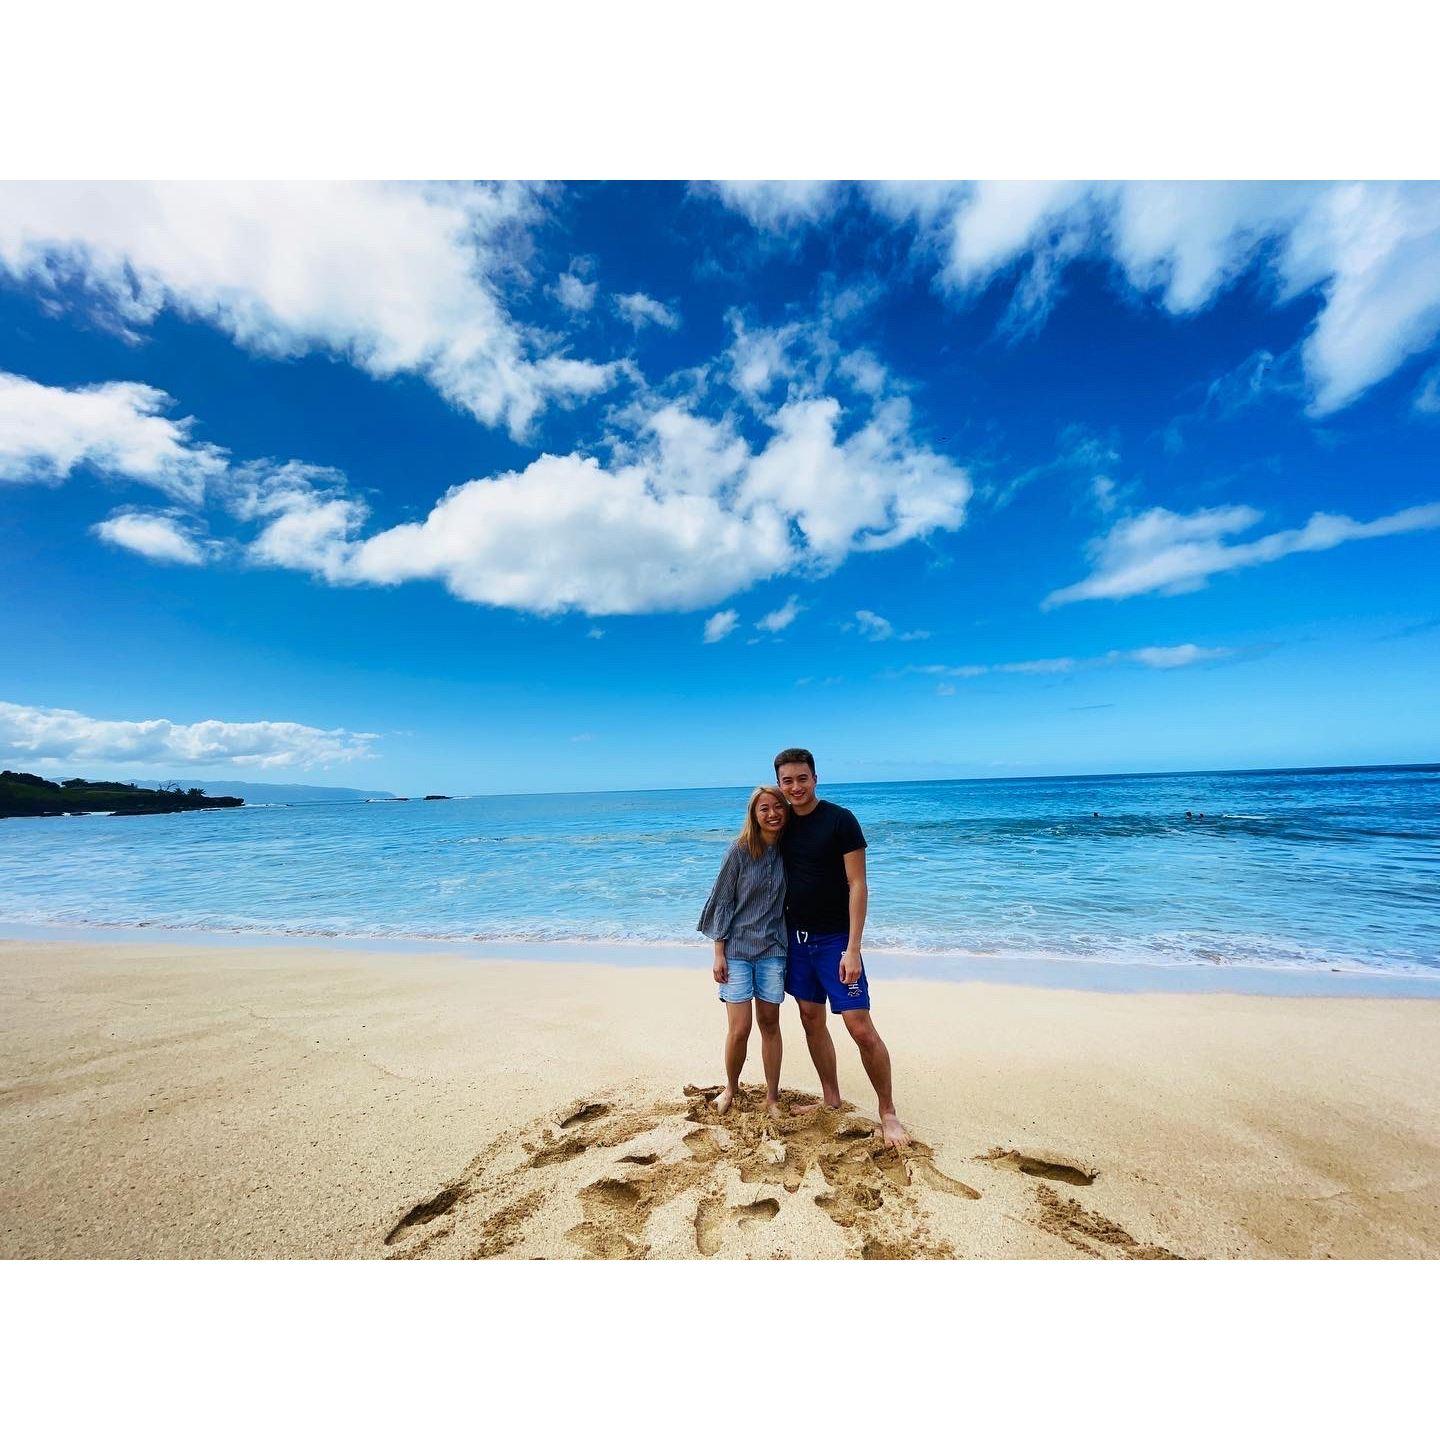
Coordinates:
499 488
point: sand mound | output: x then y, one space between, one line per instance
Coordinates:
610 1179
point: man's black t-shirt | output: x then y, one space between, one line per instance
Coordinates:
813 847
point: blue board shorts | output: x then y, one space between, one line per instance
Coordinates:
813 972
755 980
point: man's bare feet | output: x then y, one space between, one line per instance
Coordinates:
894 1132
815 1105
773 1110
723 1101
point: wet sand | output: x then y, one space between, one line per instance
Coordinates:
182 1100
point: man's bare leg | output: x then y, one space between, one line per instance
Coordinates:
767 1016
876 1060
737 1041
822 1052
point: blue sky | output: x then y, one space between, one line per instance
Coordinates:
495 488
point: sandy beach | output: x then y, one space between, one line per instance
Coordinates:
184 1100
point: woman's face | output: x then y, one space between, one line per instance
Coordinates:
770 815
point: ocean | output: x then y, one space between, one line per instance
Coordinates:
1300 869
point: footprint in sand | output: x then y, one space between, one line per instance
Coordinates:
1086 1230
426 1211
1042 1164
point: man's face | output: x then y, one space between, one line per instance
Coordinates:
798 784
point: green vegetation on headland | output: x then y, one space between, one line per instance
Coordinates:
23 794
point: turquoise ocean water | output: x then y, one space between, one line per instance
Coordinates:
1295 869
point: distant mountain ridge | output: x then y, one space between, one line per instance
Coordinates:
261 793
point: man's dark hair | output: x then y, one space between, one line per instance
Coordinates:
794 757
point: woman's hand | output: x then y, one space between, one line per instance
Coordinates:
721 968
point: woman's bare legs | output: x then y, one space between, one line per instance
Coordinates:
737 1041
768 1018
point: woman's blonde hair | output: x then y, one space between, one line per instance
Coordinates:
750 835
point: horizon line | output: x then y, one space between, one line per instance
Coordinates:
837 784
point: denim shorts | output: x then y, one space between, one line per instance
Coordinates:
755 980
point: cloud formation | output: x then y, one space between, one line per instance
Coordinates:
394 278
777 204
1368 252
35 735
641 310
687 514
720 624
873 626
781 619
1173 657
48 432
1152 657
156 535
1160 552
574 293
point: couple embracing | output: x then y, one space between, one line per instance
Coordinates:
786 915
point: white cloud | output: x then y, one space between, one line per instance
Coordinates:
157 536
37 735
759 358
778 204
690 454
1169 554
873 491
864 372
1369 251
781 619
394 278
925 201
689 516
1172 657
565 534
720 624
573 293
47 431
686 514
873 626
1427 397
807 354
641 310
314 534
1153 657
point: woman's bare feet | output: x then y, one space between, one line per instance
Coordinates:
894 1132
724 1100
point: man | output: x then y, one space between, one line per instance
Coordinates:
823 850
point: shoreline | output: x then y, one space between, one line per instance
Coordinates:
1110 976
170 1101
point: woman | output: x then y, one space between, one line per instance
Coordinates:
745 917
